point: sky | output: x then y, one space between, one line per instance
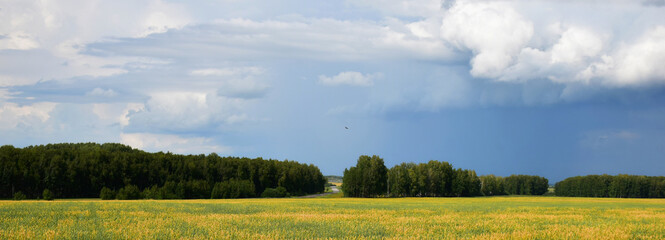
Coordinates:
549 88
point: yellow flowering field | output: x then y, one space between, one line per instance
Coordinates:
347 218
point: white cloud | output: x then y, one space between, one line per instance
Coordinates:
54 22
129 109
242 39
348 78
101 92
58 32
27 67
576 45
639 63
574 49
227 72
44 122
415 8
5 94
14 116
580 56
163 16
493 31
116 113
505 47
172 143
187 112
236 82
18 41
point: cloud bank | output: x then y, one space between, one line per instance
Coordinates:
198 73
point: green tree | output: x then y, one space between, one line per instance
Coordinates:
278 192
491 185
367 179
233 189
18 196
129 192
525 185
107 194
47 195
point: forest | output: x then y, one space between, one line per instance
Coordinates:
371 178
111 170
116 171
619 186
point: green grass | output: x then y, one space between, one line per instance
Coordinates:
334 195
506 217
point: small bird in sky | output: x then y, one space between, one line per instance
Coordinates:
346 127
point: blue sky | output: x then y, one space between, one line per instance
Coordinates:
553 88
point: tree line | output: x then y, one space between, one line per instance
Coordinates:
513 185
619 186
371 178
110 170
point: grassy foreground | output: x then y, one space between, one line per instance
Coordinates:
415 218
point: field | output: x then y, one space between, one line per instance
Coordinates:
410 218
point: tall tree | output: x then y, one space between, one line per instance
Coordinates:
367 179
